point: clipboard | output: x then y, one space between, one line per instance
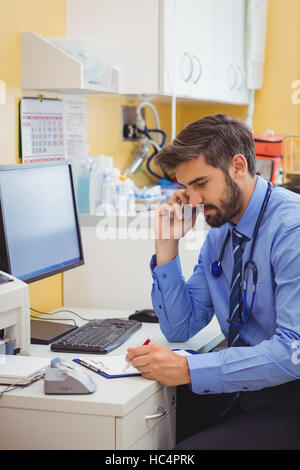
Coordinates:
111 367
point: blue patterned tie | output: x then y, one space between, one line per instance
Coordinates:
235 289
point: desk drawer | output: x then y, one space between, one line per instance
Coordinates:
145 417
48 430
161 437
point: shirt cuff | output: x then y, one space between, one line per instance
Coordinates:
205 373
169 273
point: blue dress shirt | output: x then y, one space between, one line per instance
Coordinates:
273 330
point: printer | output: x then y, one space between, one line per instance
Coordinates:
14 315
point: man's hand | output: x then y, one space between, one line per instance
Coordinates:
172 221
160 363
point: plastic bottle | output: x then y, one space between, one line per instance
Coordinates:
102 163
107 204
121 197
115 176
81 171
129 192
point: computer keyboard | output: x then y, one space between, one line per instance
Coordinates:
97 336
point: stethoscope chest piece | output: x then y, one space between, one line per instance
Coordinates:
216 269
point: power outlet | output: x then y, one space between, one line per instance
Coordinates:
128 120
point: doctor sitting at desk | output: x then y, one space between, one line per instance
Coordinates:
248 275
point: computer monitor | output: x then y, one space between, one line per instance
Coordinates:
39 227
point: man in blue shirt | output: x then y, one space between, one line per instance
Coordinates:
214 161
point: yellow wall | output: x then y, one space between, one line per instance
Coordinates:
274 108
104 130
46 18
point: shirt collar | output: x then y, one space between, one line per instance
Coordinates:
248 220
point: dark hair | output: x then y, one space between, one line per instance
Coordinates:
218 138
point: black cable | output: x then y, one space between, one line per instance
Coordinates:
148 165
158 131
54 319
61 311
146 132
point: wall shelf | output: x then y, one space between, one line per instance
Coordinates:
47 67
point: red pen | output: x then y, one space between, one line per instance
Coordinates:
147 341
144 344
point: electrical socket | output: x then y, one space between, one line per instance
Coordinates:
128 121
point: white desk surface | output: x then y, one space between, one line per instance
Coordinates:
113 397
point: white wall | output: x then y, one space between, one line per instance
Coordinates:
116 273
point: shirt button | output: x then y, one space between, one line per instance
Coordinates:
206 391
159 306
164 275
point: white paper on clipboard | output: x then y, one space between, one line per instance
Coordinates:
42 129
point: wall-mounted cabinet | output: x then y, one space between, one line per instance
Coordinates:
65 66
230 73
187 48
193 48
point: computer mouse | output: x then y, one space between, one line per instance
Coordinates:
146 316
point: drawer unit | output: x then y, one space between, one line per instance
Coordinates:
152 413
161 437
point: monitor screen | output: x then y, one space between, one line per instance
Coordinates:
39 228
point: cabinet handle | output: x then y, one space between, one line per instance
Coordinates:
186 76
160 412
241 78
196 80
232 77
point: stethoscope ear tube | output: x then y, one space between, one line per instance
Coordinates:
216 267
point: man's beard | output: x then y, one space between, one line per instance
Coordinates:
229 207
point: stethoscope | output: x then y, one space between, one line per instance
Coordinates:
250 265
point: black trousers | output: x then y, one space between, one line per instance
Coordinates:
260 420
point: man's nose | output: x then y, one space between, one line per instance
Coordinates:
195 198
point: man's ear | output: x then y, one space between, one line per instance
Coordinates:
239 166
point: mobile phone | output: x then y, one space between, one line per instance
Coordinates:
188 211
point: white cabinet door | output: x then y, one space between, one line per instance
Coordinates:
194 48
226 73
202 48
128 34
183 42
230 80
242 93
188 48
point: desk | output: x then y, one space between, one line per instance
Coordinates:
113 417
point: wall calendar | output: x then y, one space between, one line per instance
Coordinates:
42 129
